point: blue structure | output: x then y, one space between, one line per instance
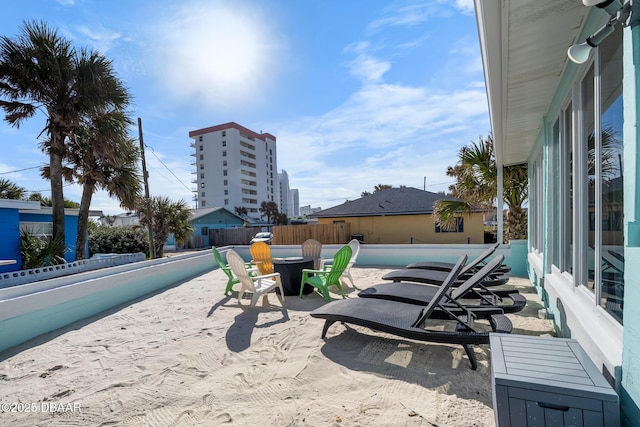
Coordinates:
14 213
205 219
574 123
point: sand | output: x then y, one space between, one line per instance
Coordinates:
189 356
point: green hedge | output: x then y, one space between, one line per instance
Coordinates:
117 240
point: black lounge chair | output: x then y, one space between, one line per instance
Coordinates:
435 277
472 294
475 265
409 320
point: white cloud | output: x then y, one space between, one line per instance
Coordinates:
100 38
368 69
466 6
389 134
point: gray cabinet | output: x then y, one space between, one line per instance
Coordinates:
538 381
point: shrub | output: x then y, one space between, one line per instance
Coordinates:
118 240
40 251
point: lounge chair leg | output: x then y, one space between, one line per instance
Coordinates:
327 324
468 348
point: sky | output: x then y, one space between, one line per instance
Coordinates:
356 92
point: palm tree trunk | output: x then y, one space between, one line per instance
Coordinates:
516 223
57 195
83 218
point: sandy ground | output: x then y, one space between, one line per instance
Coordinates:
190 356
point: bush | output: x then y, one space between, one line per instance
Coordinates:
118 240
40 251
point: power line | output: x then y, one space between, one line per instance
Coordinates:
166 167
20 170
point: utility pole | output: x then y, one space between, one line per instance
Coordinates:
147 198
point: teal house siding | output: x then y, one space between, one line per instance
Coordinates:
576 127
213 218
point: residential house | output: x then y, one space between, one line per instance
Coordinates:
206 219
18 215
574 122
402 215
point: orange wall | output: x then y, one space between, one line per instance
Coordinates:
401 228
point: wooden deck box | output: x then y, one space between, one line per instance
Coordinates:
538 381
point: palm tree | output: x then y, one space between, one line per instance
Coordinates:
101 155
167 216
11 190
46 201
378 187
270 210
41 71
477 186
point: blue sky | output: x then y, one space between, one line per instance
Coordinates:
357 92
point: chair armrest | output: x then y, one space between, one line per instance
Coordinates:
266 276
310 270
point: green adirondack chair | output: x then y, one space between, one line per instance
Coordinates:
322 279
232 280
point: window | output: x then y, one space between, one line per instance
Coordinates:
586 168
204 231
200 138
226 182
201 167
202 185
201 156
226 202
203 204
224 153
202 175
41 229
226 192
224 172
609 196
201 147
456 227
202 194
224 133
224 143
224 163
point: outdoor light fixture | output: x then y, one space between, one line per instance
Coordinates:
619 12
579 53
612 7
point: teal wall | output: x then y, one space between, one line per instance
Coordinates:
628 389
630 393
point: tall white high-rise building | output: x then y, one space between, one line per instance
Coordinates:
294 198
285 202
234 167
